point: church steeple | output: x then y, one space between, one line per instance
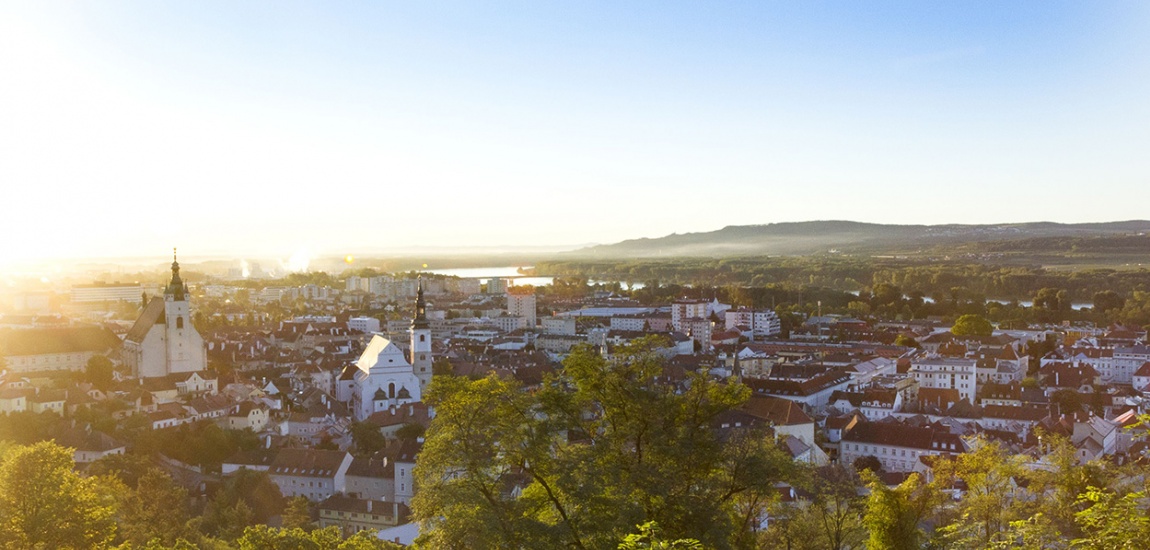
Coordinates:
421 340
420 319
176 288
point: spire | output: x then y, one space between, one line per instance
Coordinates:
420 320
176 287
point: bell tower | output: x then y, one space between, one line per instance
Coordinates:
181 346
421 340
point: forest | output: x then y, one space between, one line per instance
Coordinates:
880 287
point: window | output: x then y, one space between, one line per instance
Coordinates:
422 337
179 322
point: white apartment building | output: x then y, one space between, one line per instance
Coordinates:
559 325
763 322
522 304
947 373
681 310
103 292
366 325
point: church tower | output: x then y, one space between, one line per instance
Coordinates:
185 347
163 340
421 340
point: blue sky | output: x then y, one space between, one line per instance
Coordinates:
275 127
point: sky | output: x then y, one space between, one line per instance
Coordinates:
271 128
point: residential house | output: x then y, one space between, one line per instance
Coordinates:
352 515
898 446
311 473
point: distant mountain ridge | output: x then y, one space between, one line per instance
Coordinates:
814 237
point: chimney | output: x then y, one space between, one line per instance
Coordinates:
411 410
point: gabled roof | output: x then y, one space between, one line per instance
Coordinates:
371 467
87 440
901 435
43 341
152 315
942 398
780 412
307 463
1026 414
258 457
403 450
344 503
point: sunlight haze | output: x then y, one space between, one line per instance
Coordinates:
357 127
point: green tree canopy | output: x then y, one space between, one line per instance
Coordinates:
45 504
972 325
602 447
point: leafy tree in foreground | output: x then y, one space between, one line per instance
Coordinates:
45 504
894 516
601 448
157 509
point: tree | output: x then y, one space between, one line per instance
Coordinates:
367 438
1108 300
100 372
972 325
157 509
906 341
894 516
262 537
128 468
1113 521
297 514
410 431
602 447
986 507
648 538
45 504
838 507
247 498
868 462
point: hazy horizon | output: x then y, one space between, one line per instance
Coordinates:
282 129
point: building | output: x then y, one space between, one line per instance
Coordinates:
353 515
309 473
497 285
521 303
383 377
559 325
897 446
163 340
947 373
105 292
681 310
56 348
700 330
758 323
363 324
421 358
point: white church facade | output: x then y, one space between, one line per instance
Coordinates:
163 340
384 377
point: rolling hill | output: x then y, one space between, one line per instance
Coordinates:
821 237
